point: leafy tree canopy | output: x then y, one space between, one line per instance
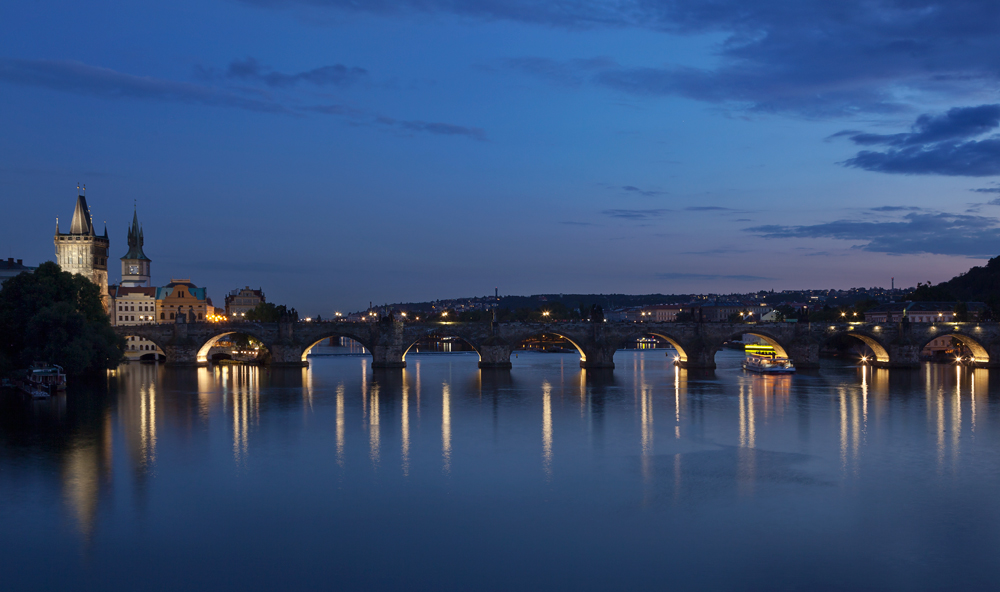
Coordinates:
58 317
268 312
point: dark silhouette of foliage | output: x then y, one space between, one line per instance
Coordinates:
268 312
58 317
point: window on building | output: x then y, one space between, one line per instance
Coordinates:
161 316
171 316
199 316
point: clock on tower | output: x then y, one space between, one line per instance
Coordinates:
135 263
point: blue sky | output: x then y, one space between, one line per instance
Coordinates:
336 153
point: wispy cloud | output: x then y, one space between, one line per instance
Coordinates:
334 75
79 78
942 144
711 276
643 192
924 232
707 209
636 214
82 79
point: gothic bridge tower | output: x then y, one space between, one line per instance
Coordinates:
81 250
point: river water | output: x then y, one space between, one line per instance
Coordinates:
545 477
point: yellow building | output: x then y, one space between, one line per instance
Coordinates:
182 297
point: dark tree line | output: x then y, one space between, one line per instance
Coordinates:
57 317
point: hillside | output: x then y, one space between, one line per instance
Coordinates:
979 284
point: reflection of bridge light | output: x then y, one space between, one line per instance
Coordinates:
547 428
340 424
446 427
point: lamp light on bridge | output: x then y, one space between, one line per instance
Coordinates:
546 313
402 314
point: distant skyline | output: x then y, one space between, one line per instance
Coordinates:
336 153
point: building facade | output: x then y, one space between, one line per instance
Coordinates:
135 305
922 312
10 268
82 251
181 297
240 302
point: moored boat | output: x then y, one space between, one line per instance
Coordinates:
42 380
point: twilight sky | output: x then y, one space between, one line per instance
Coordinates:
335 152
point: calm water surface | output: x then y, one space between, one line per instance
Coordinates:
442 477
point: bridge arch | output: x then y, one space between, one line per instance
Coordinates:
682 353
573 341
779 347
202 355
980 355
441 333
142 351
348 334
873 343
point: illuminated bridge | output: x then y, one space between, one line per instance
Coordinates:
895 345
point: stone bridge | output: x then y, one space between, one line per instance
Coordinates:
894 345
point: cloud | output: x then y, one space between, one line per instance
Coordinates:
710 276
573 73
814 57
571 223
936 145
707 209
82 79
987 190
335 75
895 209
635 214
436 128
718 251
643 192
79 78
955 124
924 232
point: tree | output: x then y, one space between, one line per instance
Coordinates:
928 293
961 312
268 312
58 317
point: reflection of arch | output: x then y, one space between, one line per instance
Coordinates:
881 354
351 336
979 353
523 338
203 352
442 333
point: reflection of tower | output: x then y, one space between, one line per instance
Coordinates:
81 251
135 263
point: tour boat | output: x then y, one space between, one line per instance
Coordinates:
768 364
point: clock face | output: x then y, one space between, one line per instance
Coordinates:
133 269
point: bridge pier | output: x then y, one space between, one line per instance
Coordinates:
495 355
804 354
287 356
387 356
182 355
699 357
901 355
599 357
